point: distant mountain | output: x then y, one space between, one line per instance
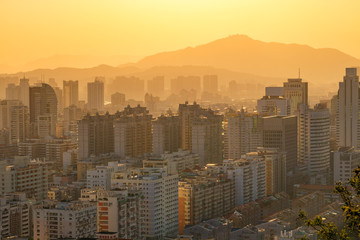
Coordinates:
75 61
236 57
242 54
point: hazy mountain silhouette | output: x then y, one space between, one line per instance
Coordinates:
243 54
75 61
236 57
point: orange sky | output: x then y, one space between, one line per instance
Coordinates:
32 29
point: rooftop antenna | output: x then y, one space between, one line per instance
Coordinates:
299 72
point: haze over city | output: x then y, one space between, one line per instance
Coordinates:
179 120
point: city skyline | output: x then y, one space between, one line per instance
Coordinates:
179 119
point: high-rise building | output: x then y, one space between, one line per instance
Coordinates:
348 108
118 212
204 197
72 115
5 112
19 124
133 132
45 126
14 117
314 140
346 160
243 133
160 206
54 220
274 105
248 175
15 215
189 114
96 95
281 132
207 138
166 134
43 102
297 91
24 91
60 102
70 93
210 83
7 180
156 86
96 135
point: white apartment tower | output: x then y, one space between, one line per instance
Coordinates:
346 159
249 178
160 207
348 121
243 133
314 139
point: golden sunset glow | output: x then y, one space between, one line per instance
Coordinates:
41 28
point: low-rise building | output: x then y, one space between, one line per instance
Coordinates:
175 162
53 220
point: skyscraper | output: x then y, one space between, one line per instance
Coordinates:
43 103
297 91
24 91
281 132
314 141
70 93
96 95
348 108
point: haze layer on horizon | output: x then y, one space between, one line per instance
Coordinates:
40 28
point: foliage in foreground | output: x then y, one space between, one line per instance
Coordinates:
351 210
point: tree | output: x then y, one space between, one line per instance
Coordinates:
351 209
